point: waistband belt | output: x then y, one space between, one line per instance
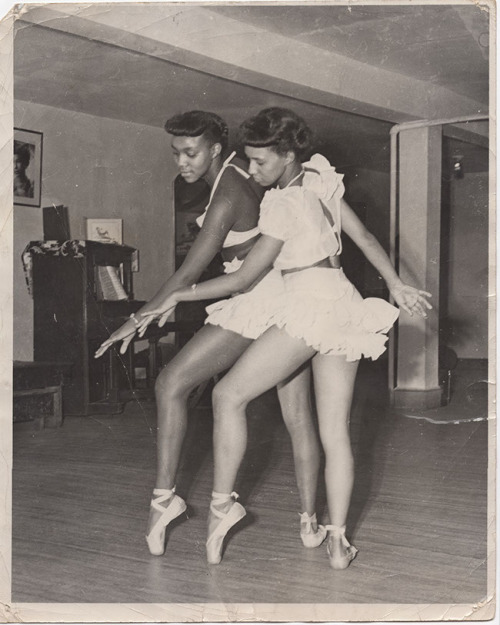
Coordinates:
333 262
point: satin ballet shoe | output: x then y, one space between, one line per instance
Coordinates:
176 506
341 553
216 539
311 537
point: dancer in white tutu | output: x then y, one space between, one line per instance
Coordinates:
229 226
321 316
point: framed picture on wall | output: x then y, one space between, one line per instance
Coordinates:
27 167
105 230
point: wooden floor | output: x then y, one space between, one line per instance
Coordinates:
81 496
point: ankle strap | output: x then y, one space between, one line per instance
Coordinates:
336 530
164 491
308 520
218 498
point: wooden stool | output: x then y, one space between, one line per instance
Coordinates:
38 392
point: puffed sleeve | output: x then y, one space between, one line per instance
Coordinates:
280 213
321 178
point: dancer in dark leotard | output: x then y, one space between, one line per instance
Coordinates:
229 225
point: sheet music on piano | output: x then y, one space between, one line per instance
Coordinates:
109 285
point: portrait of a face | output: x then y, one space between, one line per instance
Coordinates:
27 167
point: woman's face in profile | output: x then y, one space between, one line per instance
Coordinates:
193 156
266 166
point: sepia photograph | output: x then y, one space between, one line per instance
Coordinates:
27 167
286 412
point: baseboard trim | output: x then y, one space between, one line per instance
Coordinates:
417 399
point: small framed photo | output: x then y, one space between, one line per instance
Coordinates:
105 230
27 167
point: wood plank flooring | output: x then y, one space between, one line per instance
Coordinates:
418 517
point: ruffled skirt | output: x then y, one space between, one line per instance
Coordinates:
248 314
318 305
324 309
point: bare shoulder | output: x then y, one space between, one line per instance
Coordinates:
250 182
237 188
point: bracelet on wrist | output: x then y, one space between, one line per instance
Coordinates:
135 320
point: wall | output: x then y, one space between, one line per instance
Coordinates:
98 167
467 273
367 192
468 267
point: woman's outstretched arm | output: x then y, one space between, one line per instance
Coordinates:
258 262
218 221
407 297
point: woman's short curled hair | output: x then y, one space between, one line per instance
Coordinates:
279 128
197 123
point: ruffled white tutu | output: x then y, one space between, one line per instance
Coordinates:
324 309
248 314
318 305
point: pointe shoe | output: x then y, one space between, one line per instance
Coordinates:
176 506
342 553
311 538
235 513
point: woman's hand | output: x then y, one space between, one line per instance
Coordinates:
125 333
144 323
411 300
161 312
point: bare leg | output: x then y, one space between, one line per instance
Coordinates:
295 399
270 359
334 379
209 352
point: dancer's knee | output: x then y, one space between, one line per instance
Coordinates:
226 396
296 408
171 384
336 440
298 419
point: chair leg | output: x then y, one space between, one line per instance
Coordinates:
448 386
152 372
